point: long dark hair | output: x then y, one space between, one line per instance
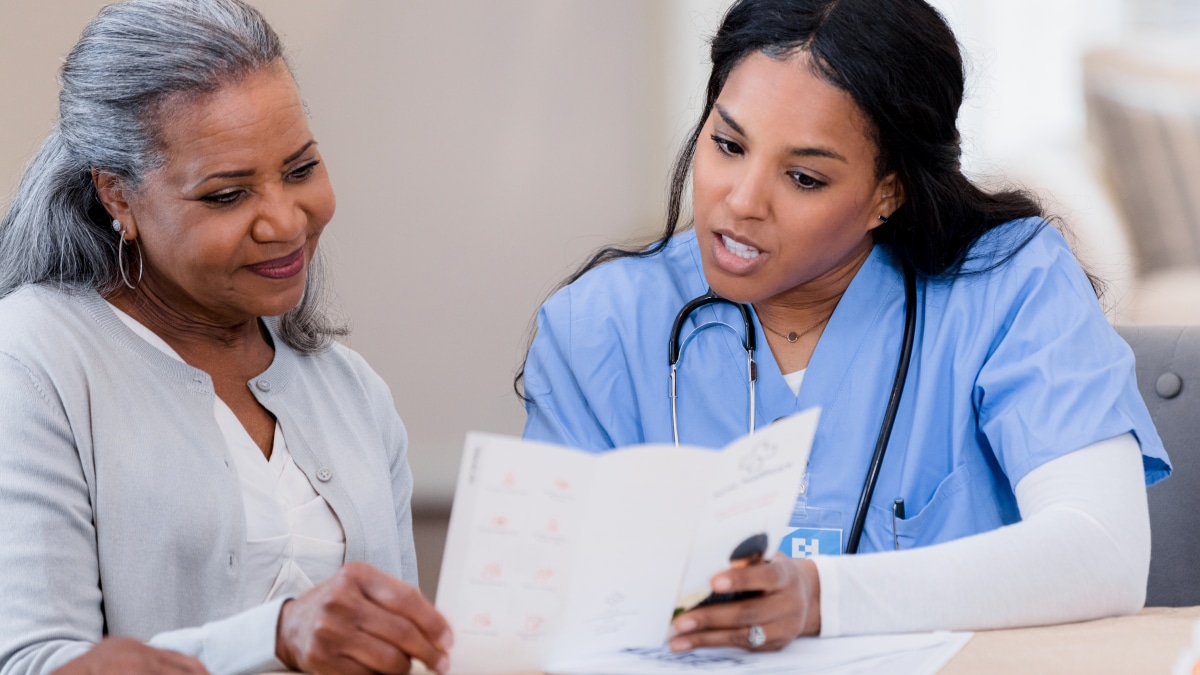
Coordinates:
900 62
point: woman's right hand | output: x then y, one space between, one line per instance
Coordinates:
361 621
126 656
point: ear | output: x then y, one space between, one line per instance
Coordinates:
889 196
114 195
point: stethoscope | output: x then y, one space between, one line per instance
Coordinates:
749 344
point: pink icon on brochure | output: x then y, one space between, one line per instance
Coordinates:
534 623
552 526
509 480
544 575
500 522
482 620
562 484
491 571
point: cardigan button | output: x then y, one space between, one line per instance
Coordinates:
1168 385
263 385
324 475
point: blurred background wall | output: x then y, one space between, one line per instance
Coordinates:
481 149
478 149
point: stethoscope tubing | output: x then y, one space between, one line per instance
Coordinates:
675 350
889 416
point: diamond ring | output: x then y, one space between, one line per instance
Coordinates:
757 637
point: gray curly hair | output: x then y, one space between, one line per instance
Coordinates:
128 62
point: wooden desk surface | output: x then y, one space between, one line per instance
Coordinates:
1148 642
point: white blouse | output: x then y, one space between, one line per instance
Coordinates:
293 539
794 380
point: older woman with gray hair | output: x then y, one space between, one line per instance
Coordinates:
193 475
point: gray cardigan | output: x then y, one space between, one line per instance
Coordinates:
120 509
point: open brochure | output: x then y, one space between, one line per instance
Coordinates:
555 554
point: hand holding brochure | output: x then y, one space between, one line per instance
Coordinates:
555 554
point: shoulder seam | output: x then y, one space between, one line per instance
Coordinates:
32 378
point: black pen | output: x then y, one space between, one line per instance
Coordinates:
897 514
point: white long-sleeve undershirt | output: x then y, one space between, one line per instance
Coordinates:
1081 551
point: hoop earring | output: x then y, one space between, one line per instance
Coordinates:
121 262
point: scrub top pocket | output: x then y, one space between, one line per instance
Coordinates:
953 511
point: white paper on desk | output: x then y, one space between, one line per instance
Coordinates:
914 654
554 554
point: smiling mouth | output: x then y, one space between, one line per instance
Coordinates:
280 268
739 249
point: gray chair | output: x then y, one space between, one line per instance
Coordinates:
1168 374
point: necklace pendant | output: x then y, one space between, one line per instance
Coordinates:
792 336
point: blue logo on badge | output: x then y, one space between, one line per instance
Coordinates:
806 542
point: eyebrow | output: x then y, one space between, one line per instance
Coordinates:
245 173
729 120
797 152
296 155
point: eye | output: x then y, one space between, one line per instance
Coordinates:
805 181
302 172
727 147
224 198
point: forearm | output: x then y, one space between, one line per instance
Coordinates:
1081 551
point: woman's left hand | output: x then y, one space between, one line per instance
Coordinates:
790 606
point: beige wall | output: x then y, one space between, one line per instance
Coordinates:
479 150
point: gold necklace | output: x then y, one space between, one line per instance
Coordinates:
792 336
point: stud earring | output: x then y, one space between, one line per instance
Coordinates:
883 219
116 225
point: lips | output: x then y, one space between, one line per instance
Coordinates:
280 268
735 257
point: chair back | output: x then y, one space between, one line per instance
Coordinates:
1168 374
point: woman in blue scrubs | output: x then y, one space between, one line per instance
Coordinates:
826 160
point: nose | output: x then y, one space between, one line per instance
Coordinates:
749 195
280 217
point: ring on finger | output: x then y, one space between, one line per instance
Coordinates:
757 637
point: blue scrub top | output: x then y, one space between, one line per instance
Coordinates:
1012 367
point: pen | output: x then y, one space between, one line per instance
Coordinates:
897 514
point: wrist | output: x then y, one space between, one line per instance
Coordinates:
810 590
283 650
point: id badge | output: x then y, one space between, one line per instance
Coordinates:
813 530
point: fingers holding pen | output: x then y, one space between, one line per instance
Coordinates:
788 608
729 624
